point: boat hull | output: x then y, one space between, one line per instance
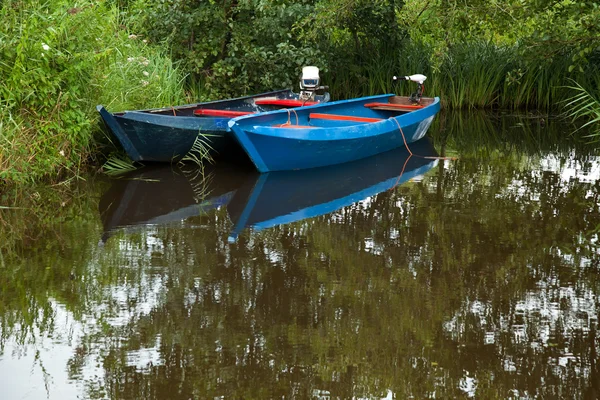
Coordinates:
168 134
147 137
310 143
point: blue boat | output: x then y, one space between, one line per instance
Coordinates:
333 133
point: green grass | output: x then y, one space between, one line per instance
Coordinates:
584 105
118 164
57 61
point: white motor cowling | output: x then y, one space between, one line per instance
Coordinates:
310 78
414 98
418 78
309 85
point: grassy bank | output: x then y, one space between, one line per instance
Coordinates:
57 62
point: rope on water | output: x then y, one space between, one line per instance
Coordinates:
401 172
412 154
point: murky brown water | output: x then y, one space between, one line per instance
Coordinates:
393 277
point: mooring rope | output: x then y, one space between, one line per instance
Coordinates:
417 155
410 154
289 121
401 172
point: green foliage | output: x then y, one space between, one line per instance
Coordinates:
358 29
586 106
117 164
200 153
476 53
230 48
52 74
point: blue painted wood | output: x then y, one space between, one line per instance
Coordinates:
282 197
322 142
167 134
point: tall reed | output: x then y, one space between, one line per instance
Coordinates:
470 75
584 105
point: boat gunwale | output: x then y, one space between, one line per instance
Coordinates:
153 111
335 133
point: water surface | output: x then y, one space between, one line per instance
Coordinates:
395 277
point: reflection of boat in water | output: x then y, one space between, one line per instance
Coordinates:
283 197
162 194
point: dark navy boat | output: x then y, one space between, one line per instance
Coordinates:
168 134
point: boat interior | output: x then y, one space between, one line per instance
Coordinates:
396 105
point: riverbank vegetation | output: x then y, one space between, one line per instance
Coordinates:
139 54
56 63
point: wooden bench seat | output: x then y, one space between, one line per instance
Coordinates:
208 112
334 117
394 107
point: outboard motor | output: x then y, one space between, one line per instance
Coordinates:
417 78
309 83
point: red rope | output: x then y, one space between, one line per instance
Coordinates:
417 155
401 172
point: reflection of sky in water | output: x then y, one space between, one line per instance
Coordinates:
553 307
573 168
39 370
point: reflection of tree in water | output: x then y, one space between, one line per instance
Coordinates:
481 279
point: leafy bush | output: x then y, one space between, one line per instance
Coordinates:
231 48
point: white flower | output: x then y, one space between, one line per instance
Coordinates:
62 153
145 41
144 83
130 59
146 73
45 47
